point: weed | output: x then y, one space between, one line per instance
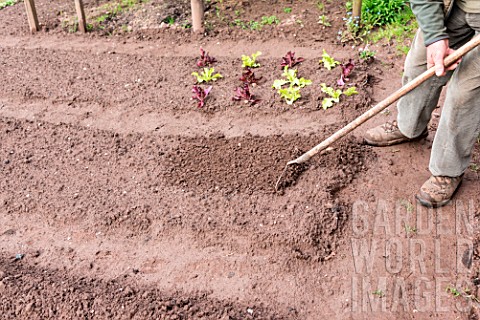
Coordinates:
169 20
321 6
407 205
466 293
255 25
269 20
366 54
474 167
287 10
323 20
403 49
453 291
379 293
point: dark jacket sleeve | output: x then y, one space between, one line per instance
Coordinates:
431 19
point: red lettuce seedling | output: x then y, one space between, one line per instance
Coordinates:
200 94
244 94
205 59
346 70
290 60
248 76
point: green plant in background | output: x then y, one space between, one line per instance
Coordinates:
381 20
7 3
292 92
254 25
323 20
269 20
328 61
169 20
207 75
287 10
320 6
251 61
366 54
382 12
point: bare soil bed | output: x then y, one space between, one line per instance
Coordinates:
119 198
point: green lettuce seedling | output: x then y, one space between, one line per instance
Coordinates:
207 75
251 62
292 92
328 62
350 91
335 95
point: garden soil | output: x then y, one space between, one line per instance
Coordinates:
121 199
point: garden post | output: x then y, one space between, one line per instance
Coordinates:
82 26
197 15
32 16
357 11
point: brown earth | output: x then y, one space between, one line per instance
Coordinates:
120 198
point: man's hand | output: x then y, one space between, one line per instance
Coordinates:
436 52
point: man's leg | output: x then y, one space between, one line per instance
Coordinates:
460 121
459 124
415 108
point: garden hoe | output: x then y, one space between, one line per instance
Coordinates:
323 146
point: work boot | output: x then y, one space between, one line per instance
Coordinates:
438 191
388 134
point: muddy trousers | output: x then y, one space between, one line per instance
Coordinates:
459 125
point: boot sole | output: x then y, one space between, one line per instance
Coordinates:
394 142
434 205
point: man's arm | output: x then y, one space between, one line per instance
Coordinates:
431 19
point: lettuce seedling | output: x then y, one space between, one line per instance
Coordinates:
334 95
200 94
346 70
350 91
290 61
292 92
328 62
244 94
205 59
251 62
207 75
248 76
291 78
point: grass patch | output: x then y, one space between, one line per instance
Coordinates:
100 16
7 3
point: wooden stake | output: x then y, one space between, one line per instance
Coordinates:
82 25
32 16
197 15
357 10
